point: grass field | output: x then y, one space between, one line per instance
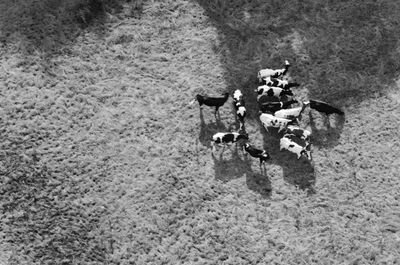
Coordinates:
103 160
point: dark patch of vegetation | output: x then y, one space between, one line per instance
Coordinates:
342 51
49 24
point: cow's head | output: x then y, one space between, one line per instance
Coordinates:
259 90
306 154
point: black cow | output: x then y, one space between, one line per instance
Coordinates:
216 102
324 107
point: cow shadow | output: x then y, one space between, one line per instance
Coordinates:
326 130
260 183
297 172
333 62
228 164
231 164
207 130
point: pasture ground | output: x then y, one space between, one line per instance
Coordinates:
103 160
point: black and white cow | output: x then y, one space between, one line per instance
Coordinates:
227 138
299 132
292 113
257 153
264 73
216 102
269 120
237 96
241 114
239 104
275 106
273 91
291 146
269 81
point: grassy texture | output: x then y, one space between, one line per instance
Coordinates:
104 162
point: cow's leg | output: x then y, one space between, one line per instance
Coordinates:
240 125
212 147
244 151
327 122
223 148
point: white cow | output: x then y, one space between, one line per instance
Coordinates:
292 113
264 73
291 146
269 120
237 96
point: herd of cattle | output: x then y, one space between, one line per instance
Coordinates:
274 98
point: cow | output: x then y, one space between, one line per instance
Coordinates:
298 132
291 146
257 153
216 102
275 106
269 120
241 114
237 96
239 104
273 91
292 113
324 107
227 138
269 81
264 73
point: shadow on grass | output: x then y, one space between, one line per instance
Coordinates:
341 52
236 165
50 25
208 130
259 183
298 172
328 133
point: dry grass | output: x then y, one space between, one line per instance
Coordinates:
103 161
